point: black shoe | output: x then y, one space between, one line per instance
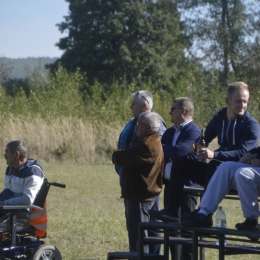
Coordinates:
187 215
249 225
198 220
164 215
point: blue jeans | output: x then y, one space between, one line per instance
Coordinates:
135 213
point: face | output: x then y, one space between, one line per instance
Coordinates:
176 113
137 108
237 104
10 157
142 129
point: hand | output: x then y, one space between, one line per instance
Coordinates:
246 158
205 153
193 148
255 162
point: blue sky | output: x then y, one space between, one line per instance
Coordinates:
27 27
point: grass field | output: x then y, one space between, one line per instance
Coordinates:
86 220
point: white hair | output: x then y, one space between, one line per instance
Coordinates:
152 119
144 96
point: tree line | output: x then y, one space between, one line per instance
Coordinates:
169 47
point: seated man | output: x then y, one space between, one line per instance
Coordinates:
142 174
23 180
244 176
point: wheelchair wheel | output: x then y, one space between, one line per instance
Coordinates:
46 252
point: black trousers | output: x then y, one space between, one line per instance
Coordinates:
196 171
188 204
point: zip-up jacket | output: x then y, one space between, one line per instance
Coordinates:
23 185
235 138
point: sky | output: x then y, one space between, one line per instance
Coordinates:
27 27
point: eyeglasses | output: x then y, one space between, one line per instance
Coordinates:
173 108
138 93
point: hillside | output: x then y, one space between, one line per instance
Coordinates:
19 68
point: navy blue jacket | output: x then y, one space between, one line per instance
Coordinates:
189 135
235 138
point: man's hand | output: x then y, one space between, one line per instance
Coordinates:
246 158
192 148
204 154
255 162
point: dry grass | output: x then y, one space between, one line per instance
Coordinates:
62 138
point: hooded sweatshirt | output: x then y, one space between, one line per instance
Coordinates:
235 138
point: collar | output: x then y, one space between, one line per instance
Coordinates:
182 125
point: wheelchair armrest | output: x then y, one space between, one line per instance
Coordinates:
19 207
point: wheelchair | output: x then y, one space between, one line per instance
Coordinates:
19 243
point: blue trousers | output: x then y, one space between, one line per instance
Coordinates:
136 212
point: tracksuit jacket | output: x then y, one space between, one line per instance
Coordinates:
21 187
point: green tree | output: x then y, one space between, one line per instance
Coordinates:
221 30
125 41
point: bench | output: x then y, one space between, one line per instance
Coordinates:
173 231
196 239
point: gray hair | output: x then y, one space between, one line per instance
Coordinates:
186 103
232 87
152 119
144 96
19 146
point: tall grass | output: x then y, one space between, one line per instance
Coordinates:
62 138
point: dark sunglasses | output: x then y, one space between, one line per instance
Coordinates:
173 108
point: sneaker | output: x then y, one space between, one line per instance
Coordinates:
249 224
198 220
164 215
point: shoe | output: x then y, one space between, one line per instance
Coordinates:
198 220
187 215
164 215
250 224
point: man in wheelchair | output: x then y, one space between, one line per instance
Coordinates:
23 180
23 216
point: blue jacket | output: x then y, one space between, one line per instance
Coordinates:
235 138
189 135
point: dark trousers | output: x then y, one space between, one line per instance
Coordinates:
154 248
188 204
196 171
136 212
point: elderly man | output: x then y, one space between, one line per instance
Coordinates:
237 132
142 101
23 176
142 174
